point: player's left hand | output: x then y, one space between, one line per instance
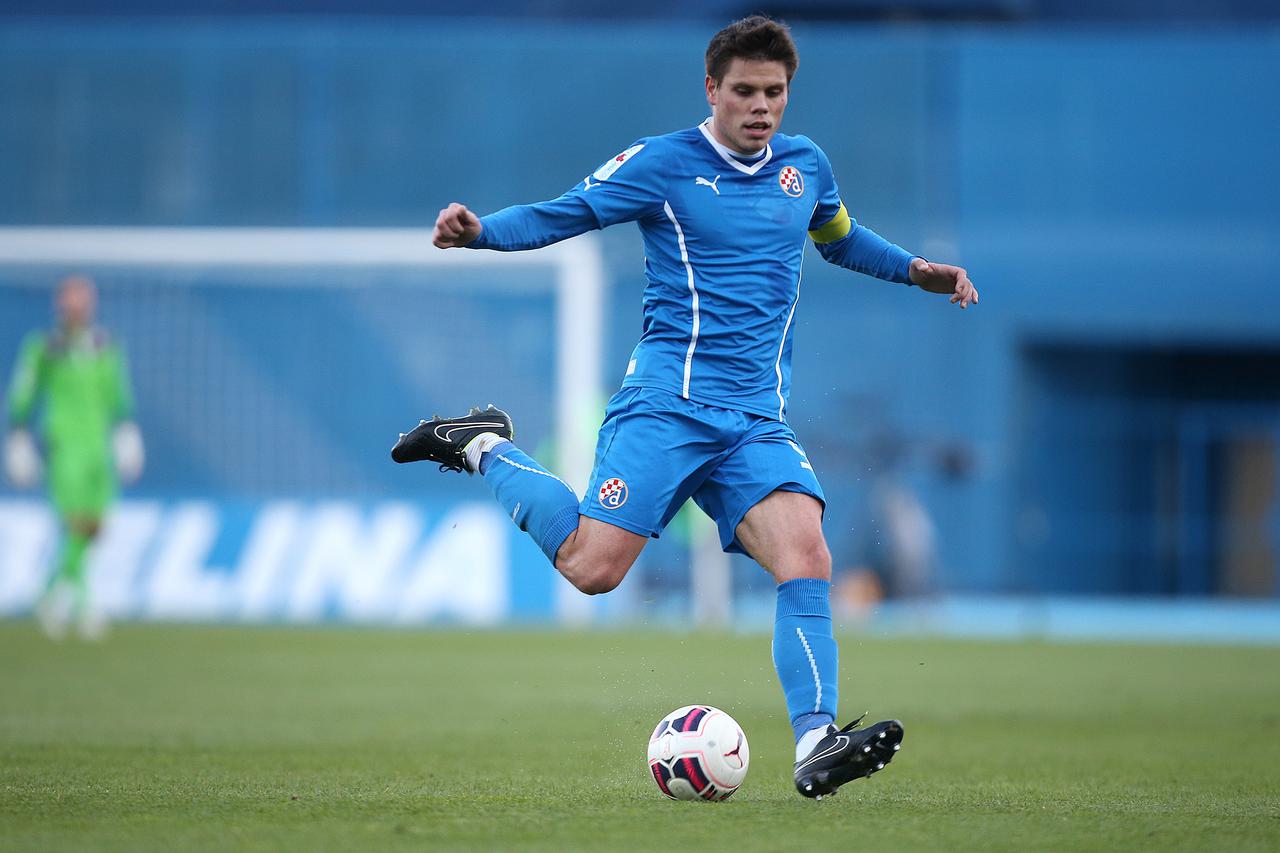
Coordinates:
944 278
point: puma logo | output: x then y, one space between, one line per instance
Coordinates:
445 432
703 182
736 752
840 742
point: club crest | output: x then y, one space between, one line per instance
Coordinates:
791 181
613 493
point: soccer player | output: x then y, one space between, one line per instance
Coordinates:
79 374
725 209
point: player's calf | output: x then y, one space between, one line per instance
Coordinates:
539 502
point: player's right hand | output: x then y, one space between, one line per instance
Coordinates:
455 227
21 459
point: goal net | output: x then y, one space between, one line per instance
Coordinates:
282 362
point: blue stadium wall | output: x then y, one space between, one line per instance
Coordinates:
1112 191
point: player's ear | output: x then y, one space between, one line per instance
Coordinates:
711 90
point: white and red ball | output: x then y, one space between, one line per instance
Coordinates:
698 752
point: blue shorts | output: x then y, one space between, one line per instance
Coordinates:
656 450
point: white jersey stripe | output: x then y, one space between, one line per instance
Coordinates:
693 291
777 365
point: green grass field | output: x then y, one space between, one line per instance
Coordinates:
178 738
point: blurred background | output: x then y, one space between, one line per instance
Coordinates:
1093 451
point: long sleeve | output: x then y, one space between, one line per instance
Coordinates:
120 389
532 226
863 250
845 243
24 386
609 195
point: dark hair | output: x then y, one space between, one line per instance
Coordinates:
757 37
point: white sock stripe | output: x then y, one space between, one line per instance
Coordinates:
536 471
813 665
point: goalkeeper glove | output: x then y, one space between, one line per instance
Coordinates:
129 452
21 459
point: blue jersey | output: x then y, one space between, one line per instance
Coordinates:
724 238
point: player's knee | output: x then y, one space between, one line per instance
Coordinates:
84 526
601 577
815 560
599 582
820 560
810 559
593 575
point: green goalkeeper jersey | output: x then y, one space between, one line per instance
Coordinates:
81 377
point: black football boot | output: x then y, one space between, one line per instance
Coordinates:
444 440
847 754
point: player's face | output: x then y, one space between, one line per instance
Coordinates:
747 105
76 300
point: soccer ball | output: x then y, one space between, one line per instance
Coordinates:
698 752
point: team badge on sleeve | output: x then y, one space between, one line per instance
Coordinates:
791 181
613 493
607 168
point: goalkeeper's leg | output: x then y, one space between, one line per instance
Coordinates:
82 488
71 564
67 591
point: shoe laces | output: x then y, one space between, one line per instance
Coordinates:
454 466
855 723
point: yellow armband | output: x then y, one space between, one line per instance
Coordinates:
836 229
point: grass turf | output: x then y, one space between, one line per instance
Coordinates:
170 738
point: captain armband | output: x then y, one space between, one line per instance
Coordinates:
837 229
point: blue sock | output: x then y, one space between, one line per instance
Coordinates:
539 502
804 652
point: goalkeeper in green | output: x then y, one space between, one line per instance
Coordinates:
77 374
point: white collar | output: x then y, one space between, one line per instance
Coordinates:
729 157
